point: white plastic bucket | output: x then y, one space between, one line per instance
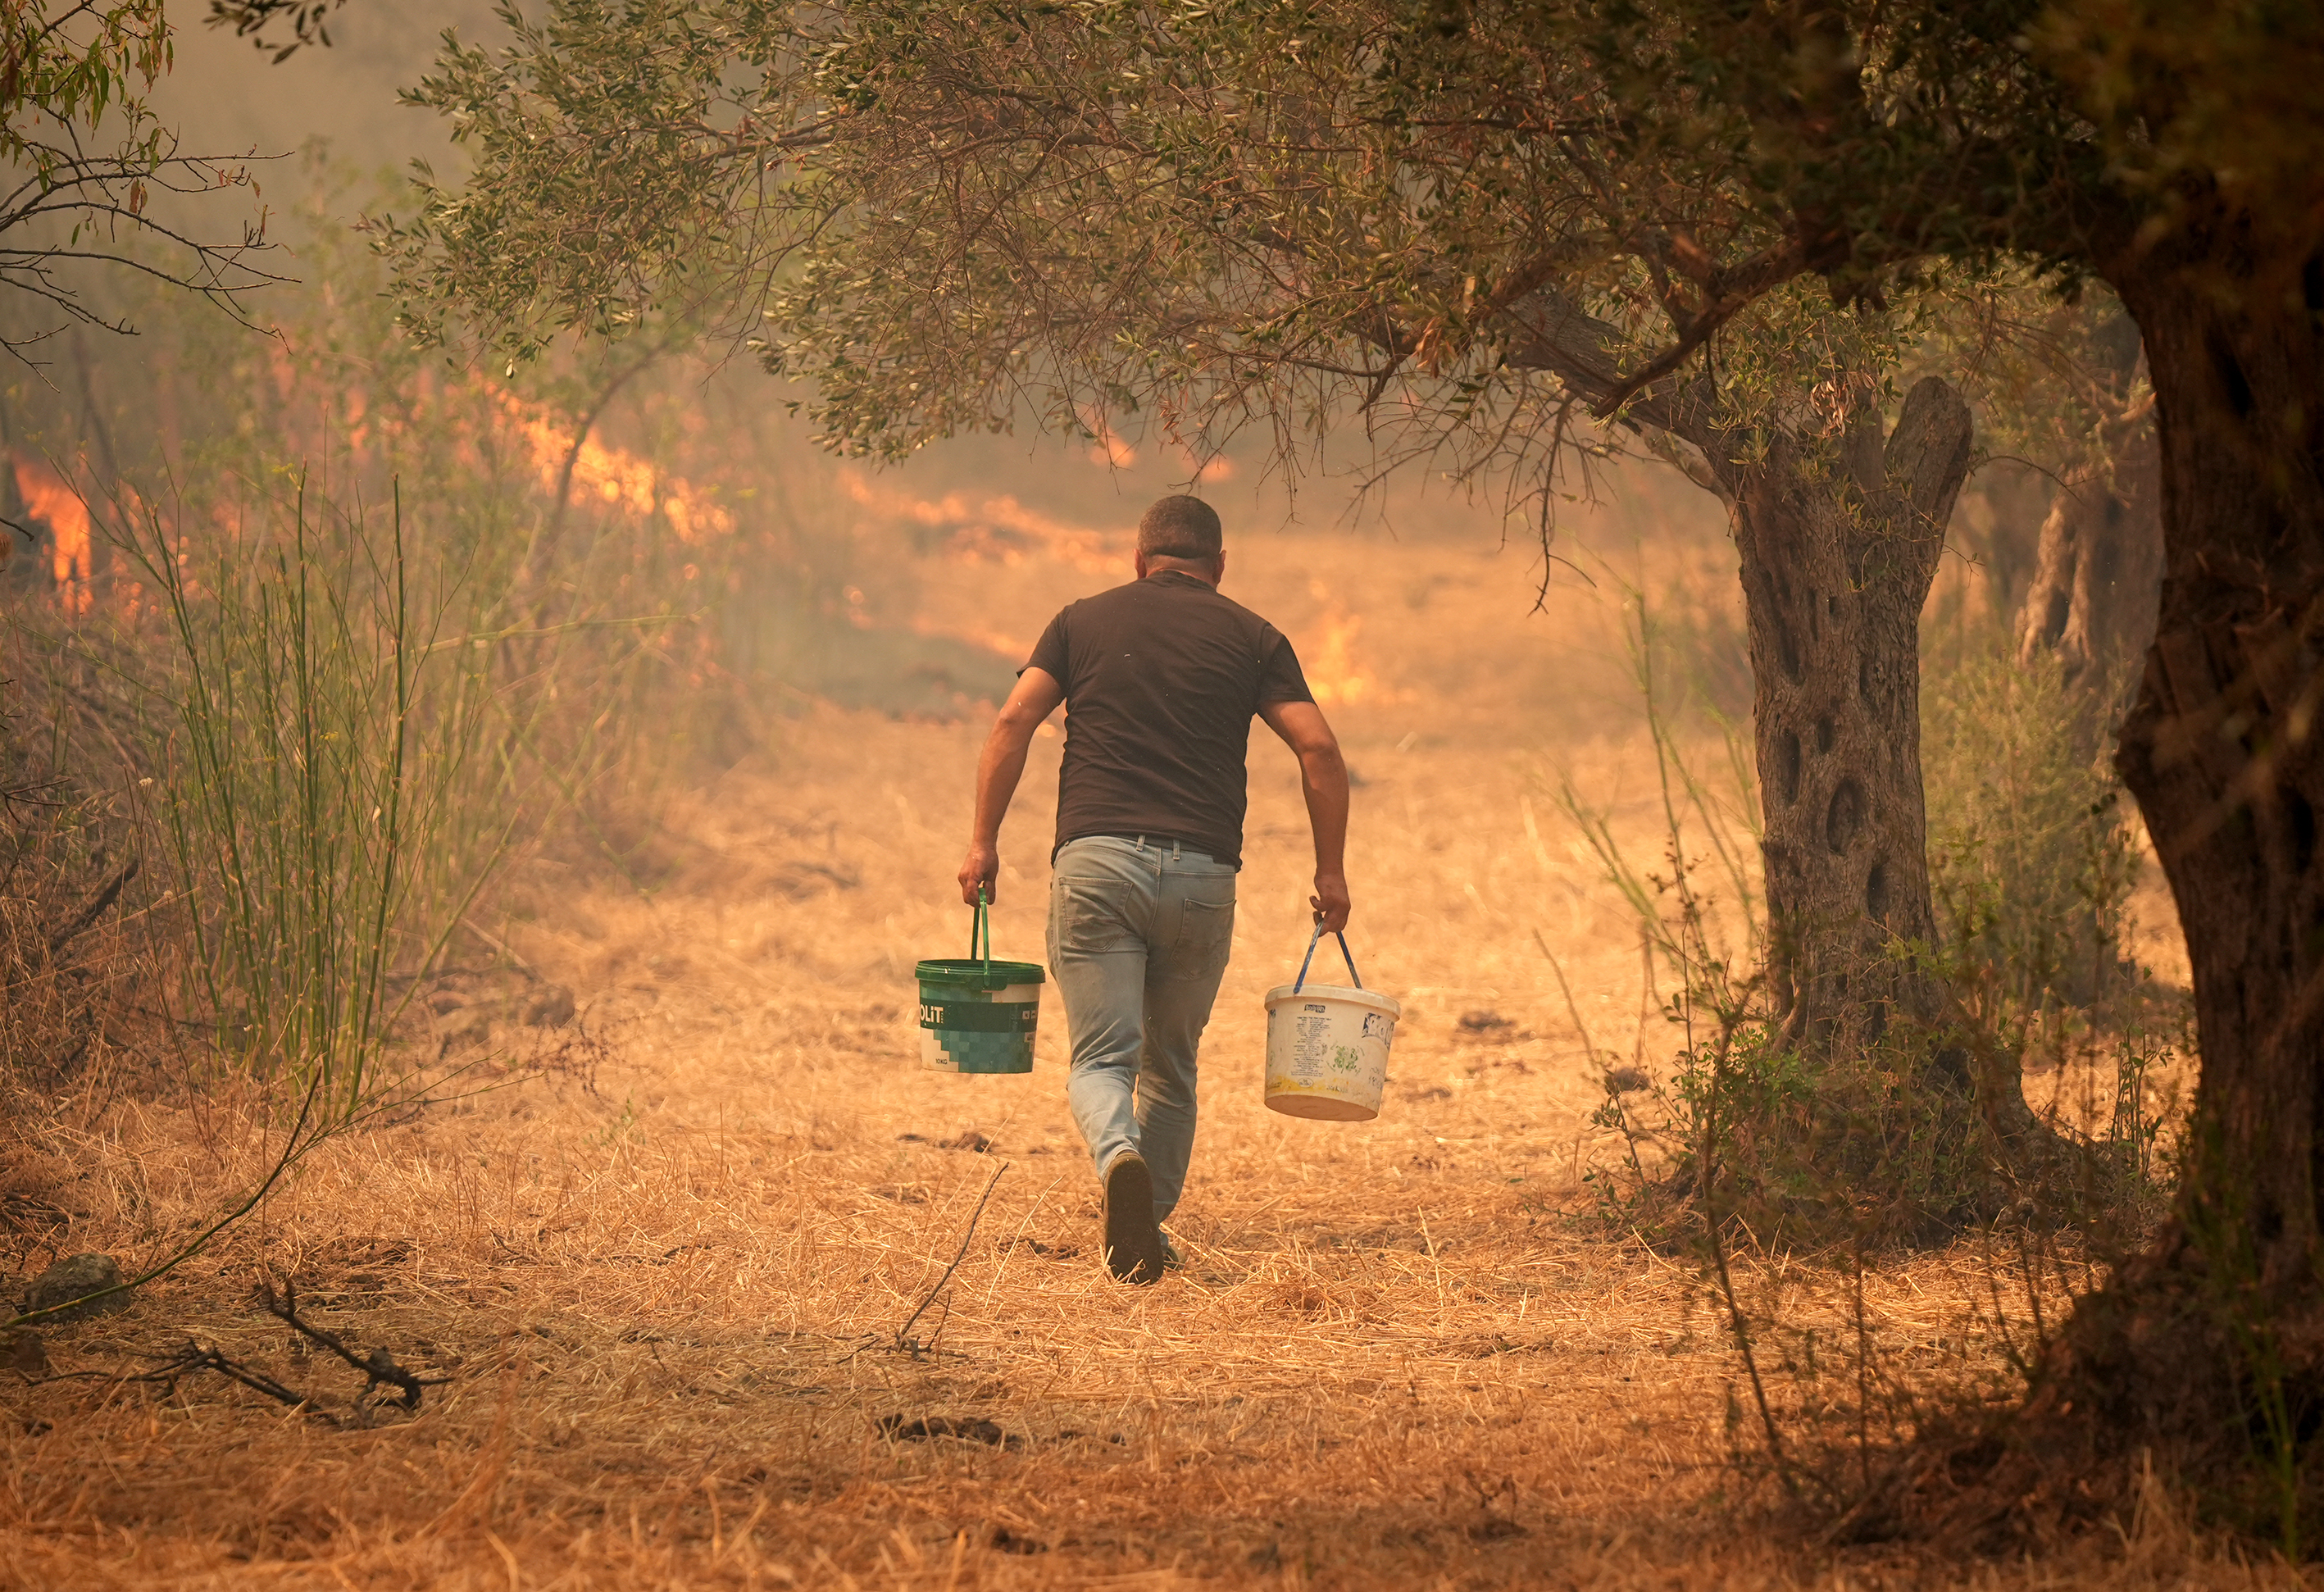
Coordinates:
1327 1047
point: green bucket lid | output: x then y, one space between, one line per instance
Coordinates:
977 973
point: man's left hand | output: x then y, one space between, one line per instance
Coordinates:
1331 902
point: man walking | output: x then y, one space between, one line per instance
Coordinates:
1160 679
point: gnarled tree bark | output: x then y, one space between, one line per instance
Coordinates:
1835 570
1836 549
2098 578
2223 1320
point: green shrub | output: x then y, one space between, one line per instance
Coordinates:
2029 853
1925 1132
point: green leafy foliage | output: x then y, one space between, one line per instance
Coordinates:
1199 218
308 22
945 213
2031 855
68 65
628 173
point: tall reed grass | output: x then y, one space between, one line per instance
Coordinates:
315 788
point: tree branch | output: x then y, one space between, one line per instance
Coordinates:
1733 291
1554 334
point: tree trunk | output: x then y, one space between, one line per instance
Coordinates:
1837 556
2098 576
1836 567
2222 1321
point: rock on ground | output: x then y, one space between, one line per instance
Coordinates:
75 1277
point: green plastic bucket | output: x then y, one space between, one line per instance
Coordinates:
978 1014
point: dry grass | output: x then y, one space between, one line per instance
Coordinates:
668 1302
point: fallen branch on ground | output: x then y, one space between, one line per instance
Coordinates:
205 1356
94 910
379 1366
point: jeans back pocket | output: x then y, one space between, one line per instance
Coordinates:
1093 916
1205 935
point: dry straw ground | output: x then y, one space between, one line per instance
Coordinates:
667 1294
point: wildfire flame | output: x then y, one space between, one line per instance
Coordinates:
49 497
614 476
996 529
1333 673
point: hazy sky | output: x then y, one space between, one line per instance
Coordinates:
227 96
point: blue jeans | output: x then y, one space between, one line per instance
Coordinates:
1138 936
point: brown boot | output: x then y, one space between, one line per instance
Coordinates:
1134 1241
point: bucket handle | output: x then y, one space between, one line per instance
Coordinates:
980 927
1341 935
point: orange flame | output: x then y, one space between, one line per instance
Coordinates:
998 530
49 497
1333 673
614 476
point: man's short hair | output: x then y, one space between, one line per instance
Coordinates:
1180 528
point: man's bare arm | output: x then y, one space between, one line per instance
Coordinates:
1036 697
1323 780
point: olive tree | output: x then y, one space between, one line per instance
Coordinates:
2098 572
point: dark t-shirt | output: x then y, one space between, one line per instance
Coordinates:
1161 678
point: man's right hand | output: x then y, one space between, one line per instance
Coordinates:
1331 902
998 767
983 868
